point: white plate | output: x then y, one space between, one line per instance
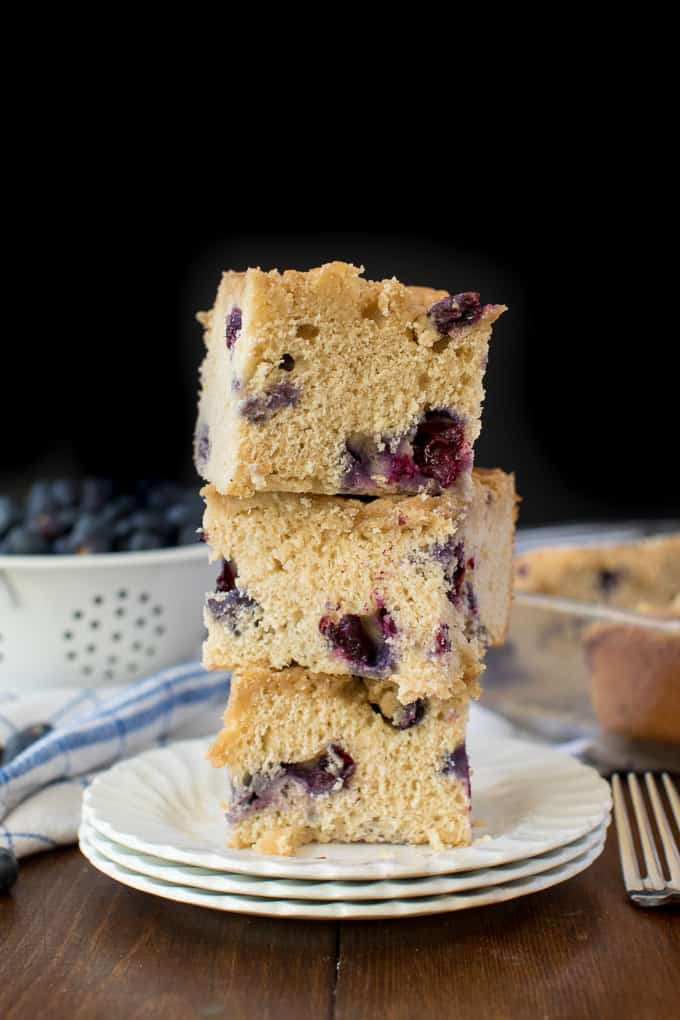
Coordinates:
528 799
346 908
250 885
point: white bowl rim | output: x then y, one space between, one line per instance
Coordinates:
82 561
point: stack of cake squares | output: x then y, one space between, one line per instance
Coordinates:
363 565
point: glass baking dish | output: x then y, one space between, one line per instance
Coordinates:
577 672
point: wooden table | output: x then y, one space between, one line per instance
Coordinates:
75 945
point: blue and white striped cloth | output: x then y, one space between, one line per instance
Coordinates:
41 790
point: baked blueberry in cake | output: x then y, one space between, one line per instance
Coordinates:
326 382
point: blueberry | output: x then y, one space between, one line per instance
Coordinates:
163 494
91 534
229 609
21 542
180 514
359 640
141 540
22 739
143 520
53 524
9 870
96 493
402 468
457 574
287 363
118 508
326 773
406 716
455 311
608 580
232 326
39 499
387 625
226 579
65 493
456 764
9 514
411 714
256 793
201 445
442 641
440 449
329 771
357 463
261 407
123 528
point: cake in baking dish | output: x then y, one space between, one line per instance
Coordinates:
325 382
633 665
312 758
643 575
407 588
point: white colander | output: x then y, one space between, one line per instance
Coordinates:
99 619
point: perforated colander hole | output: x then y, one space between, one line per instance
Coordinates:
151 650
157 610
140 621
78 614
108 673
71 655
132 667
113 659
122 594
68 635
90 648
98 599
116 636
86 670
136 646
120 611
160 629
144 597
94 624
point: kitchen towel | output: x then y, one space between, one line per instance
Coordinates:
41 789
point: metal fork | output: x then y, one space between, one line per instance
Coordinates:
651 890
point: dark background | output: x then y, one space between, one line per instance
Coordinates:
101 352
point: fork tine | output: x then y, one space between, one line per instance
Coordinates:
665 833
672 797
629 866
655 877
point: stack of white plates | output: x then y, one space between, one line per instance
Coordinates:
540 817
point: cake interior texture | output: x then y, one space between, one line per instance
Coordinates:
411 589
326 382
311 758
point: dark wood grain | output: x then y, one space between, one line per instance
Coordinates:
75 945
579 951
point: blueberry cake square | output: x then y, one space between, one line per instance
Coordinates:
325 382
313 758
407 588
